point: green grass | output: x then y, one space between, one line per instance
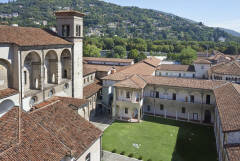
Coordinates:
162 140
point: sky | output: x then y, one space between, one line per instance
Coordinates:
214 13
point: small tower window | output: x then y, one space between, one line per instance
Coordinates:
65 30
65 73
78 30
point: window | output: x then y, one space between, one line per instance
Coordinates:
65 30
157 94
202 67
166 74
161 107
183 110
208 98
160 74
65 73
25 77
84 81
126 110
78 30
33 100
195 116
148 108
174 96
193 75
186 99
91 77
88 79
128 94
88 157
192 98
180 75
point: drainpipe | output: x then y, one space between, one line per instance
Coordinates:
20 73
43 76
154 87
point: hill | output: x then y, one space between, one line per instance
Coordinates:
108 19
231 32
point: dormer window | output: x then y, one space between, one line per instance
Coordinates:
78 30
65 30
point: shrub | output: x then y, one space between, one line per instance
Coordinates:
114 151
122 153
140 158
130 155
149 160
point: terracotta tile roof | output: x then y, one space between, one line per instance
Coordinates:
229 68
36 143
67 100
117 76
228 105
7 92
9 129
100 68
28 36
183 82
141 68
233 152
152 61
87 70
118 60
133 81
202 61
68 126
176 67
91 89
69 13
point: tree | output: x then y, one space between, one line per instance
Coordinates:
141 56
133 54
120 51
91 51
108 43
187 56
232 49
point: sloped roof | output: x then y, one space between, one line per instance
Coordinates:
152 61
176 67
233 152
228 105
229 68
7 92
68 126
36 143
91 89
117 60
87 70
133 81
202 61
69 13
29 36
48 133
183 82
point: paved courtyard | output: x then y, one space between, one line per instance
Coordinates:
108 156
101 121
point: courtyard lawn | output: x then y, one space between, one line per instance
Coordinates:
161 140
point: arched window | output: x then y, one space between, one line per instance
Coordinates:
65 73
50 93
33 100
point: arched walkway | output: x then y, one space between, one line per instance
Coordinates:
51 64
66 64
6 106
32 73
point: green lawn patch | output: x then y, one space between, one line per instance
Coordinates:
161 140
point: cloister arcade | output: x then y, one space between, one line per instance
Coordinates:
5 77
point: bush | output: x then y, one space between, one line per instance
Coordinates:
114 151
140 158
130 155
149 160
122 153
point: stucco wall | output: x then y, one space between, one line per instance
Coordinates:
175 74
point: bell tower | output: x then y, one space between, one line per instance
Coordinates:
70 27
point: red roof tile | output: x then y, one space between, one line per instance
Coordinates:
91 89
28 36
7 92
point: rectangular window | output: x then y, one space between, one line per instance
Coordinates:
193 75
126 110
208 98
180 75
25 77
88 157
183 110
192 98
128 95
174 96
65 30
195 116
161 107
78 30
157 94
148 108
